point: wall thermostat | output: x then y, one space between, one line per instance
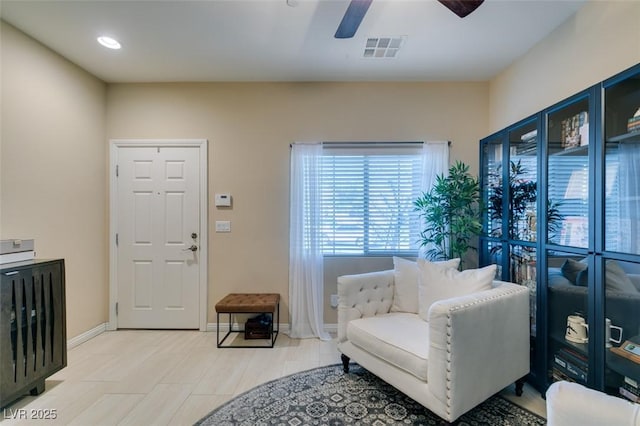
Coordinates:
223 200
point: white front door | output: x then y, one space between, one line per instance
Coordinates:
158 236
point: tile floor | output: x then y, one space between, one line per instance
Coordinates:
147 377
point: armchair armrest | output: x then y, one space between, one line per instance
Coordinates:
573 404
480 339
363 295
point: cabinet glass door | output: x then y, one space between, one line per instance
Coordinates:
523 182
567 317
621 323
622 166
622 328
568 175
492 186
522 267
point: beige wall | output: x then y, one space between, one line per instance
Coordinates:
250 126
53 177
601 40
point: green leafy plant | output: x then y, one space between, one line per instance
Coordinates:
523 194
554 219
451 213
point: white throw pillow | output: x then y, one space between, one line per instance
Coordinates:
439 284
406 279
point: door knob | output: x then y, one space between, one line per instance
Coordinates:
192 248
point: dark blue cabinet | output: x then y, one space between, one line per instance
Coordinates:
561 191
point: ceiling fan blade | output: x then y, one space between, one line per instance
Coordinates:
352 18
462 7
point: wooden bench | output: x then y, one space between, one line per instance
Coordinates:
249 303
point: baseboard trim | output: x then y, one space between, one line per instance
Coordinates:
86 336
331 328
211 327
284 328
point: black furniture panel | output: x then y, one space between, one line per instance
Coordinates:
32 326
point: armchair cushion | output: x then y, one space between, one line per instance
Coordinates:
438 284
406 278
395 337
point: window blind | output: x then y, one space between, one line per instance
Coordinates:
367 196
569 183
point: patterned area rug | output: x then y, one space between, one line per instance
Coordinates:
327 396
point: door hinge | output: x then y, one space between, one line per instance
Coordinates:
117 239
117 170
116 308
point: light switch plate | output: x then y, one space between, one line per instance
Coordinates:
223 226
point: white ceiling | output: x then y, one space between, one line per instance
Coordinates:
267 40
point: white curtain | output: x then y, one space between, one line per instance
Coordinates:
435 161
629 220
306 278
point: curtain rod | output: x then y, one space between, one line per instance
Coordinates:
351 144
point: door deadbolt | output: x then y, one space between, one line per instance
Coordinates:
194 235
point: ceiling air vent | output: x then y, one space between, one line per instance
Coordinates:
383 47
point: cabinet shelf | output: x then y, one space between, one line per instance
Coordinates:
627 137
581 348
622 365
577 150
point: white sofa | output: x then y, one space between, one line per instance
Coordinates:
472 347
570 404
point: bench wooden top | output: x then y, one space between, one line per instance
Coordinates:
248 302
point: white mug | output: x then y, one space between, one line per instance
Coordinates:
577 329
607 337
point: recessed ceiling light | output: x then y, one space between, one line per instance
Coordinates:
109 42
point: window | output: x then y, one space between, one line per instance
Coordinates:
366 202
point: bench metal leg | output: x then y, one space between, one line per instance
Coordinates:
274 329
220 342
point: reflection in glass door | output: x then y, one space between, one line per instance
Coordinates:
523 182
568 175
492 187
621 281
622 167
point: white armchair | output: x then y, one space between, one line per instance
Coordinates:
570 404
471 348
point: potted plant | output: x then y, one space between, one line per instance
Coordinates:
451 213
